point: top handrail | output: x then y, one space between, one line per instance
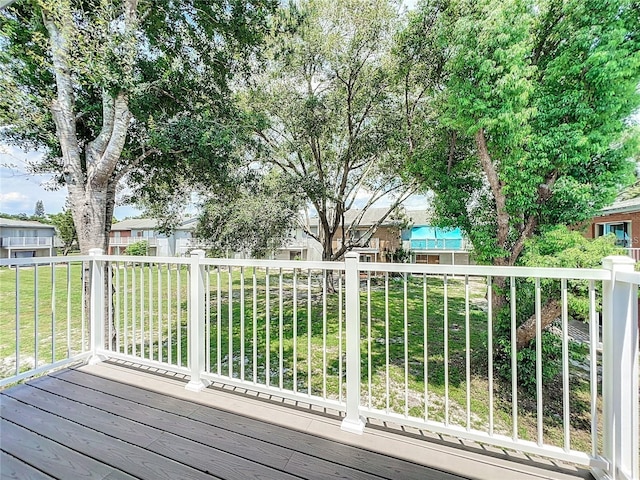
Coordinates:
10 262
488 270
363 267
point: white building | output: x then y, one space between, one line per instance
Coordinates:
25 238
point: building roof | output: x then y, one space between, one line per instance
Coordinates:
150 224
372 215
136 224
419 217
188 224
622 206
11 222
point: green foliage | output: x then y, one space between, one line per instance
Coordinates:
21 216
558 247
173 65
65 228
254 218
565 248
399 255
551 92
328 109
39 209
138 249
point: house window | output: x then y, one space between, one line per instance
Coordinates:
622 231
428 259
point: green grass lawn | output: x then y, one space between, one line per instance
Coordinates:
49 304
289 340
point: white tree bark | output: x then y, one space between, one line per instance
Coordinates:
91 185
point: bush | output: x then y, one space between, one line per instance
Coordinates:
137 249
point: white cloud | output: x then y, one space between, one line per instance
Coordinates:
12 197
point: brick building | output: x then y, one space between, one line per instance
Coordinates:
622 219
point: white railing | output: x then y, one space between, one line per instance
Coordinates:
17 242
428 245
125 241
45 325
417 345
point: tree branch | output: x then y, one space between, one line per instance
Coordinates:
496 188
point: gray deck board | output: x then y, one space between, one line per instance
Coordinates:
76 424
168 445
325 452
112 451
13 468
246 447
52 457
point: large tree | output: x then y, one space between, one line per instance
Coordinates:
100 86
254 218
331 113
532 100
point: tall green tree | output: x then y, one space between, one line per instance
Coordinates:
65 228
101 86
532 100
39 209
527 106
255 218
330 113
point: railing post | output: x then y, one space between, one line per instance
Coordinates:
620 372
197 323
352 421
96 309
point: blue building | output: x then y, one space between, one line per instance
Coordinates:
434 245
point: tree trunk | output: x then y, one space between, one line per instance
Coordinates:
527 331
89 207
91 183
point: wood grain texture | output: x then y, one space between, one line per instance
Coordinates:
13 469
321 449
112 451
47 455
243 446
73 424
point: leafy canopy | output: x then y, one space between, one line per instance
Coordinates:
532 100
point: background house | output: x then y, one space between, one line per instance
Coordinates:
23 238
376 246
434 245
300 246
622 219
180 242
135 230
411 233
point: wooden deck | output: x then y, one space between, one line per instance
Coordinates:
112 422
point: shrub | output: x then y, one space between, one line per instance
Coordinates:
137 249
